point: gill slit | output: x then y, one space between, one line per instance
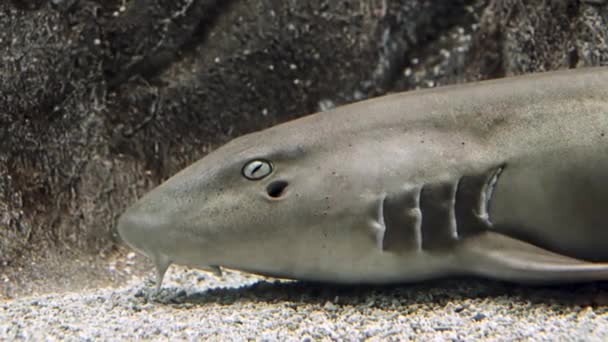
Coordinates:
418 222
380 224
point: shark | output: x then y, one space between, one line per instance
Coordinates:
504 179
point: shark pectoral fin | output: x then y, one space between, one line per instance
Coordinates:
494 255
161 262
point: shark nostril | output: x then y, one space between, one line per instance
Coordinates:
276 189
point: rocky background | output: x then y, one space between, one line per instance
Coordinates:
100 100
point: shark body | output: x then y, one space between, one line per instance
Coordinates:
504 179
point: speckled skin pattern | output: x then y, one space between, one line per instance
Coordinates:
505 179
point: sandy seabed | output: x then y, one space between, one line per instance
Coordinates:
195 305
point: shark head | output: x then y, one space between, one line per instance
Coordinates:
283 201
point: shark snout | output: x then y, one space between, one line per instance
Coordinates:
130 227
142 230
146 232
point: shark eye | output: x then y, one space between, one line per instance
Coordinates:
257 169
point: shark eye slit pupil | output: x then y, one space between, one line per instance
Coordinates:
276 189
257 169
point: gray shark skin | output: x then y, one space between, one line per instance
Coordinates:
504 179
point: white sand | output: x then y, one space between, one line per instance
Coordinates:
198 306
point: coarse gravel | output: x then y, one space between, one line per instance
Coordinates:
195 305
